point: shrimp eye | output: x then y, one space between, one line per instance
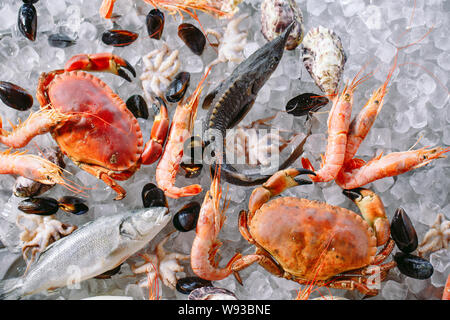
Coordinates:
377 102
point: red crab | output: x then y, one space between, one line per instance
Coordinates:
90 123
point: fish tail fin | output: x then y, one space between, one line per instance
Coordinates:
10 289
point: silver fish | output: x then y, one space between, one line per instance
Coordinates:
324 58
94 248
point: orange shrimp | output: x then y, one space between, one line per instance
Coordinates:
33 167
446 293
206 244
390 165
39 122
212 7
361 124
338 126
180 130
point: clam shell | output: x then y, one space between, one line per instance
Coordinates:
276 16
324 58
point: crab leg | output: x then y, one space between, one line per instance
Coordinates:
103 62
390 165
102 174
154 147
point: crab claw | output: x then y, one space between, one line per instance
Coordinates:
372 210
104 62
353 194
276 184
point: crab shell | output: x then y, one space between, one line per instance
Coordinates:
295 232
103 132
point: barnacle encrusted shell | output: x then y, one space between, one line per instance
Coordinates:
211 293
324 58
276 16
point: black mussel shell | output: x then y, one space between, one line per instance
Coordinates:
15 97
152 196
193 37
138 107
59 40
42 206
186 218
413 266
119 38
108 274
192 157
403 232
177 88
191 170
73 205
186 285
212 293
305 103
155 24
27 21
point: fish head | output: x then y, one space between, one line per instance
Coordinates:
144 224
263 62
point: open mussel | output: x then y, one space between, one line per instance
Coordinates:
403 232
15 97
177 88
155 23
192 157
152 196
138 107
413 266
211 293
193 37
73 205
42 206
305 103
59 40
188 284
27 21
119 38
186 218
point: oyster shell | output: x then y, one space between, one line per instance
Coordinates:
211 293
324 58
276 16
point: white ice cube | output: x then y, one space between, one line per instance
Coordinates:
372 17
316 7
193 64
393 290
87 31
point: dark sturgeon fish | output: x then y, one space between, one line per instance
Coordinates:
235 96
